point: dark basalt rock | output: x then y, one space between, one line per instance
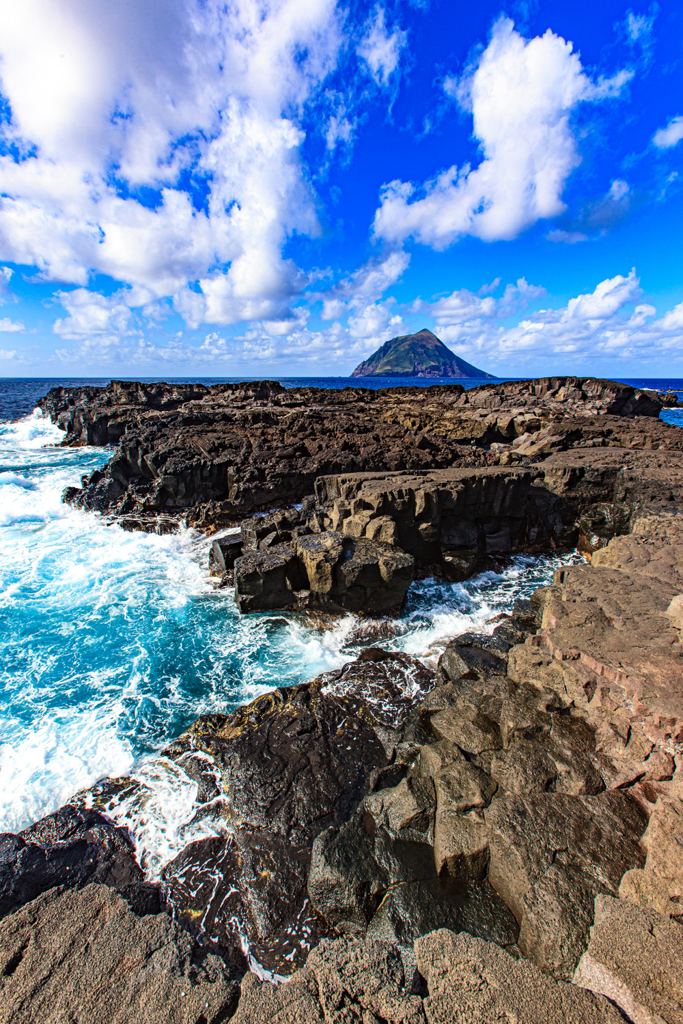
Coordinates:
216 454
72 847
324 572
291 763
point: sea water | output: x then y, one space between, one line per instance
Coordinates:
113 642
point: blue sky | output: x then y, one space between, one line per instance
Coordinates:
190 187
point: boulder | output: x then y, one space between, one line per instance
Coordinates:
223 553
327 572
635 959
72 847
84 956
475 982
551 853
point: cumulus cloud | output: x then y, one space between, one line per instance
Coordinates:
365 286
608 322
464 306
381 49
670 136
196 101
101 318
521 94
7 325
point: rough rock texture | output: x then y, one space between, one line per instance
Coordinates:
468 982
213 454
84 956
635 958
326 572
272 775
71 847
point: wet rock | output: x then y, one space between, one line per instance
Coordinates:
72 847
84 956
324 572
223 554
291 764
635 959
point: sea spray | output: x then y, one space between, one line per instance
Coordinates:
114 642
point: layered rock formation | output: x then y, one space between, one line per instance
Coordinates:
214 455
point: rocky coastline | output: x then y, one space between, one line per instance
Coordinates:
495 840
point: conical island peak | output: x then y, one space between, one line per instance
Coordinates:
417 355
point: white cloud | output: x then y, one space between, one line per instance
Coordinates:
380 49
374 321
364 286
137 94
570 237
5 277
7 325
670 136
639 26
605 323
8 355
463 306
96 317
339 129
521 94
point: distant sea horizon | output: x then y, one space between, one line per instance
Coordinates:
18 395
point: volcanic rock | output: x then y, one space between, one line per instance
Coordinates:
635 959
466 981
84 956
72 847
291 763
324 572
216 454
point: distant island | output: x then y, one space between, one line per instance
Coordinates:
417 355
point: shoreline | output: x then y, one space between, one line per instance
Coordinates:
568 716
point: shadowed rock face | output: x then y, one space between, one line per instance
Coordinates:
219 453
72 847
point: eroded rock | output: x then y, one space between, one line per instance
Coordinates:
84 956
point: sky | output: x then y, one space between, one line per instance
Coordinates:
277 187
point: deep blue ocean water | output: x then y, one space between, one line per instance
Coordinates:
113 642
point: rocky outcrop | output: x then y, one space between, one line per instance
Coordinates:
213 455
275 773
72 847
326 572
466 981
84 956
635 959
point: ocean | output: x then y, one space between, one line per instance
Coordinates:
113 642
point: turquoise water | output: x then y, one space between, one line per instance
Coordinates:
114 642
